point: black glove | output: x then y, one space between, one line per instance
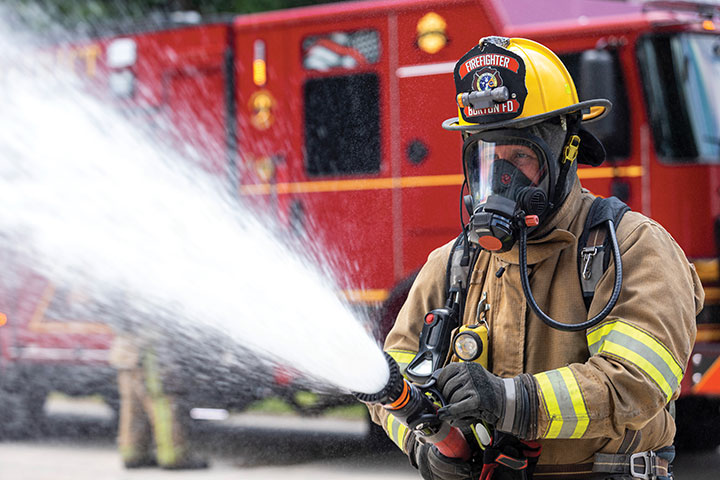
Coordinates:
472 393
433 465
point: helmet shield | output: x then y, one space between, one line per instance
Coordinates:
509 163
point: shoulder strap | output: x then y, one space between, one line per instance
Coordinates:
593 243
459 268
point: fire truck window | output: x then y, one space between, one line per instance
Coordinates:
342 125
613 130
345 50
681 74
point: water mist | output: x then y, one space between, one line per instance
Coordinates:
92 201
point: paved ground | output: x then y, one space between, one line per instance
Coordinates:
77 446
77 443
41 461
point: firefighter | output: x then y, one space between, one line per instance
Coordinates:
152 429
561 402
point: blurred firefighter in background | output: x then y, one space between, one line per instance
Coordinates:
153 423
588 395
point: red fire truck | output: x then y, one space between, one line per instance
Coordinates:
328 117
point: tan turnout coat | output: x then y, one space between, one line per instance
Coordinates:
601 390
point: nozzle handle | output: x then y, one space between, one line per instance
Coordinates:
451 442
434 343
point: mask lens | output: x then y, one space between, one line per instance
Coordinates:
502 166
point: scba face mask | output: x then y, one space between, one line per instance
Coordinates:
511 174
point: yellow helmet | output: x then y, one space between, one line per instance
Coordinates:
513 83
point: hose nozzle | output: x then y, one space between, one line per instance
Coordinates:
406 401
393 389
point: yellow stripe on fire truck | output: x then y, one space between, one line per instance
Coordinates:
627 342
386 183
564 403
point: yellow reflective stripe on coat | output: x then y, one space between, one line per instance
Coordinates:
402 357
622 340
564 403
396 430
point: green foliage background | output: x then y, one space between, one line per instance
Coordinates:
92 17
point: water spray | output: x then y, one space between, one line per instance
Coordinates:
93 201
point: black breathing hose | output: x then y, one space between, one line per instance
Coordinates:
571 327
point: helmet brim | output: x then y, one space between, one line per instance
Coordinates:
599 108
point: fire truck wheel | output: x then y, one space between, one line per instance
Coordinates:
386 315
698 423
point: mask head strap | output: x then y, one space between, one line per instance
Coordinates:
567 156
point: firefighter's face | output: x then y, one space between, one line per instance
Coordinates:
523 158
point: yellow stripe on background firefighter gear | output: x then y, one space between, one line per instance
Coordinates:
402 357
129 453
625 341
152 376
166 452
397 431
564 402
161 411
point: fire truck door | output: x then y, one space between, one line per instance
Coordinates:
195 107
